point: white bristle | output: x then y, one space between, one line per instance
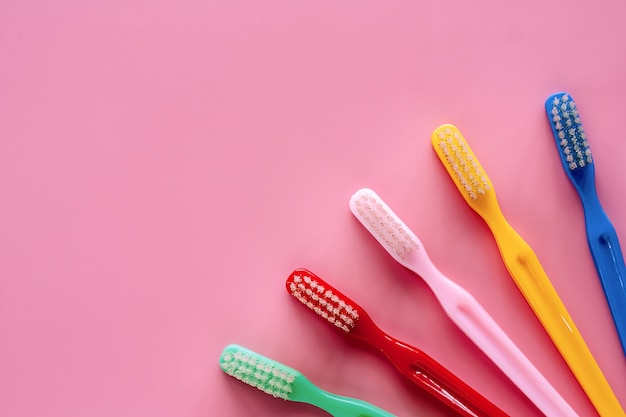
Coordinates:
384 225
329 306
466 170
268 376
570 132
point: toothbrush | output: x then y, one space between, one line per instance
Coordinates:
573 147
347 316
281 381
524 267
462 308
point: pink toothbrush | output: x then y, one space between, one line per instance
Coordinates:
459 305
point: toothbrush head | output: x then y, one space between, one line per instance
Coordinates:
260 372
462 165
323 300
281 381
569 133
384 225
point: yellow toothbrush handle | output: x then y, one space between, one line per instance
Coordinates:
532 281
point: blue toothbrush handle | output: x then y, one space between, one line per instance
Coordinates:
609 261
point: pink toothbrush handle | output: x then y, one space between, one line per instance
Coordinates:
482 329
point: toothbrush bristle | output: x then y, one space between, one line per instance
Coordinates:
569 131
383 223
323 300
260 372
462 165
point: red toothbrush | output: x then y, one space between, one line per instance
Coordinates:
417 366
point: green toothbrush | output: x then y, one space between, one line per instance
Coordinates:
281 381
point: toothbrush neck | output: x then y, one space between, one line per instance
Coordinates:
595 216
340 406
584 181
493 216
393 349
510 243
421 265
370 333
400 354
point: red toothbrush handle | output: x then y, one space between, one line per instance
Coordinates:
438 381
350 319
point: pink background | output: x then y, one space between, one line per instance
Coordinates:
165 165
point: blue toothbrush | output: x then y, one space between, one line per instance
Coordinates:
576 157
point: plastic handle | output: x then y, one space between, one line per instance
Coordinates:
412 363
338 405
470 316
532 281
434 378
608 259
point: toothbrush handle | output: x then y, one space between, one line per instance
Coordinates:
532 281
482 329
609 261
341 406
439 382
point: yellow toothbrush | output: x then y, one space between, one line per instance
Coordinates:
522 263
